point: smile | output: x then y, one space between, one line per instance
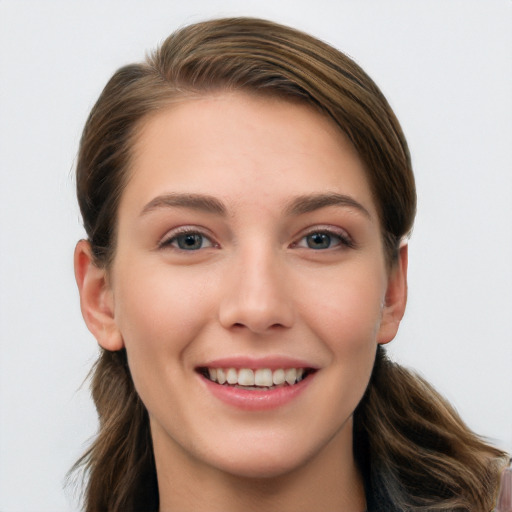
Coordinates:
257 379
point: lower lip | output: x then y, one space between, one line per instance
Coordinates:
255 400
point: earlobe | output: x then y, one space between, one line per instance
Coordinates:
395 300
96 298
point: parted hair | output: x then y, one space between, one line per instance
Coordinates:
414 451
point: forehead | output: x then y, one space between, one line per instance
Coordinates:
242 148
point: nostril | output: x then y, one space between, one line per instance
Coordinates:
257 328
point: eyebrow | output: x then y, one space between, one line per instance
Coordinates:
310 203
298 206
199 202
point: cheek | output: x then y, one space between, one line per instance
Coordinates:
156 300
158 312
346 310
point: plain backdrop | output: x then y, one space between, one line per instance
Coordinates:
445 67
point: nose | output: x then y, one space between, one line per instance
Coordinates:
257 295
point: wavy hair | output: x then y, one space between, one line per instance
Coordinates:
414 451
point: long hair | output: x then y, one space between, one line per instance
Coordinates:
417 453
413 450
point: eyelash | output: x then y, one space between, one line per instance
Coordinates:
343 238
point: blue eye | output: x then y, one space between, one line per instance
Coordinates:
190 241
321 240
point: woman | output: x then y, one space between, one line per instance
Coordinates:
247 193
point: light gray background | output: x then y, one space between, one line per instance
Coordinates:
445 66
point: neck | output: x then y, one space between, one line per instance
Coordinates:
328 481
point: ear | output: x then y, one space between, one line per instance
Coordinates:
96 298
396 298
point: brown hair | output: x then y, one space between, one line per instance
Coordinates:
413 449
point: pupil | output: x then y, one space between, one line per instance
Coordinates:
319 241
190 242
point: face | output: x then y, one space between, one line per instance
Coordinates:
249 284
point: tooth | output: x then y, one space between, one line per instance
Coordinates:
263 377
278 377
232 376
245 377
221 376
290 375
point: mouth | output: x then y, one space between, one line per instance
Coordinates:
260 379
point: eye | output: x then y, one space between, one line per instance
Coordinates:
187 241
323 239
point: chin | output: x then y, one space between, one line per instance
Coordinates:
260 469
263 460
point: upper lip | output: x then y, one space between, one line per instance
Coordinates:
271 362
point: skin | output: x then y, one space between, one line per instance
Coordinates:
253 287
